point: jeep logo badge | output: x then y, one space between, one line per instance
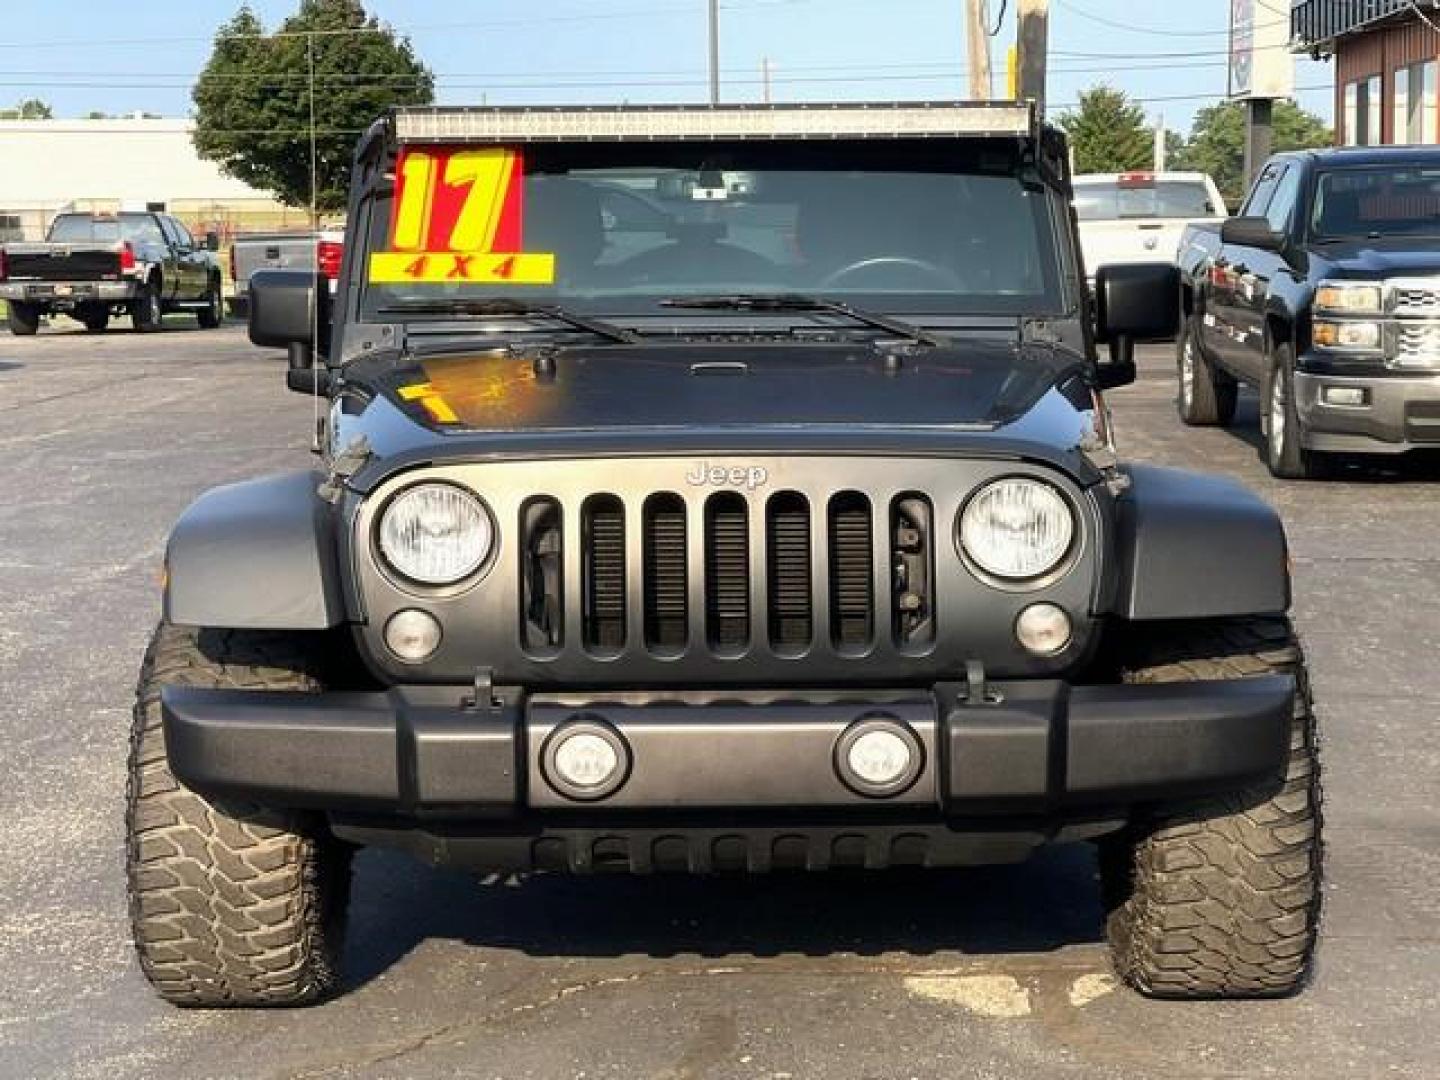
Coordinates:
746 477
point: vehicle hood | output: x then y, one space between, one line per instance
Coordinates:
1383 258
983 396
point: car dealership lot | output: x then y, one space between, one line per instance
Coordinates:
996 972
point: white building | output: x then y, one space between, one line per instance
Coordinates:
51 165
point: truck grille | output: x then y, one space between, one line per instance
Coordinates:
729 574
1415 301
1417 345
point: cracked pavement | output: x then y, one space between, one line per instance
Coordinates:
987 973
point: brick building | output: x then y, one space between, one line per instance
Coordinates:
1385 54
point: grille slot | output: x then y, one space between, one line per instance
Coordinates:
791 613
543 614
727 572
666 573
912 586
603 529
852 598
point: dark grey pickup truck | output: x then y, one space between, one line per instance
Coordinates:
91 266
1325 294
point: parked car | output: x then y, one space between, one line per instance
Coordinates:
1324 292
793 538
320 251
91 266
1139 216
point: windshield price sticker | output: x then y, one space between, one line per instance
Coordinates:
459 218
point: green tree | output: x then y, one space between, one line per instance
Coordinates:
1217 141
1108 132
29 109
252 100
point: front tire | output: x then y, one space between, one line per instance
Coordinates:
145 310
1220 897
1206 395
23 319
231 904
96 319
213 313
1285 453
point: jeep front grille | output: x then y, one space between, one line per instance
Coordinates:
730 573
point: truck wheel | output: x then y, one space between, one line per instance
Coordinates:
1220 897
1280 420
145 310
1207 395
96 319
231 904
213 313
24 319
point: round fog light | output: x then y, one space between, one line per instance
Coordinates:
585 759
878 756
1043 629
412 635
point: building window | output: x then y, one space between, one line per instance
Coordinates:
1362 112
1415 106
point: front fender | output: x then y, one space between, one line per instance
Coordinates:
255 555
1195 546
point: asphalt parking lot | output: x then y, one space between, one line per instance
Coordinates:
988 973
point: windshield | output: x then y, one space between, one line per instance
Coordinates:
79 228
1378 201
621 227
1108 200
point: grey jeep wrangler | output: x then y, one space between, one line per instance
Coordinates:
719 490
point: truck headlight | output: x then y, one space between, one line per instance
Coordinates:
1347 296
1329 334
436 534
1017 528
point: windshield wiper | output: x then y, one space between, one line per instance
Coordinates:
515 309
802 302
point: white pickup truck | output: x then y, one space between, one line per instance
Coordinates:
1139 216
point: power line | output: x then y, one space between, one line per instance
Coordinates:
1069 6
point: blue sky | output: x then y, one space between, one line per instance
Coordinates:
529 51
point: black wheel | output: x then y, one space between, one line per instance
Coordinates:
24 319
1220 897
213 313
1285 453
1207 395
231 904
145 310
96 319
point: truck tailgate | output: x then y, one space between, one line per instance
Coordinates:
1123 241
62 262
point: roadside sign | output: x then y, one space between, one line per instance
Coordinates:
1261 64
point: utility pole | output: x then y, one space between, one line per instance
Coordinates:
1160 143
765 79
1034 34
977 37
714 52
1258 135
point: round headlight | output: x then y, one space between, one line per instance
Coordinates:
1017 528
436 534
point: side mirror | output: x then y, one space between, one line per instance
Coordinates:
1133 302
212 241
290 309
1251 232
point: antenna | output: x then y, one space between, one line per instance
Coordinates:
315 229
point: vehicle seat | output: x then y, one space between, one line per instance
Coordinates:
562 216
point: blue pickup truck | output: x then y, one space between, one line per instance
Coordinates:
1324 293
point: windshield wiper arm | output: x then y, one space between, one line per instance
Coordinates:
516 309
802 302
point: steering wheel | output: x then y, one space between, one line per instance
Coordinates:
939 275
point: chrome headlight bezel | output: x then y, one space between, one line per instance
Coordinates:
1350 297
1062 553
413 577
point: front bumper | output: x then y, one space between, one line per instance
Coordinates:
1031 749
64 294
1400 413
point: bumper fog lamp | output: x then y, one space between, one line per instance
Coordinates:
412 635
1355 397
1043 629
585 760
878 756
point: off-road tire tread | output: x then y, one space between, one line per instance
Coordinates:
231 904
1220 898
